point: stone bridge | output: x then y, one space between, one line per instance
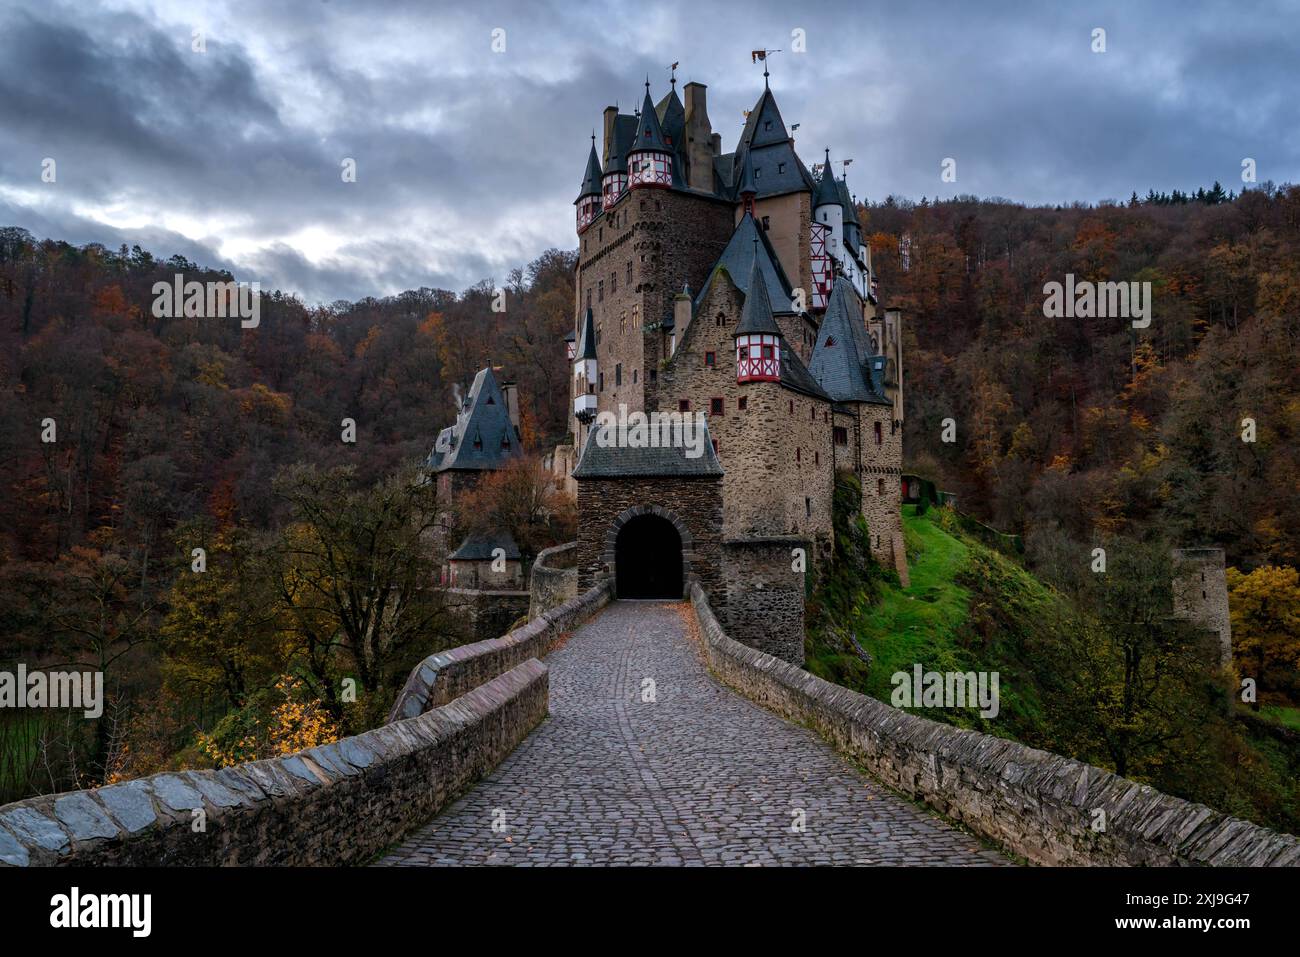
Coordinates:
649 737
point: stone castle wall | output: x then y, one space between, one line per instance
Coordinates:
765 595
882 489
776 452
1039 805
1201 594
554 580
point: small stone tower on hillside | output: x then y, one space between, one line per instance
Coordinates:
1201 594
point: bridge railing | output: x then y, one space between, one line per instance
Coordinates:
1041 806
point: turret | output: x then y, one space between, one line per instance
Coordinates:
829 210
588 201
584 372
650 159
614 183
758 337
748 188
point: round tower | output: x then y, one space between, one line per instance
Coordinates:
828 210
650 160
758 337
588 201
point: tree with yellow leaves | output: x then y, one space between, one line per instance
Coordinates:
1264 607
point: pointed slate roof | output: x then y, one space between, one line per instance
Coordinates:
587 344
738 261
591 179
764 125
483 436
756 315
620 143
828 190
842 361
766 141
649 134
747 184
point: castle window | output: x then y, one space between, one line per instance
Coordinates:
767 124
879 435
880 486
602 382
505 441
830 342
792 406
600 234
618 375
629 272
683 405
653 375
767 223
634 377
744 353
710 359
600 291
716 407
719 320
817 458
742 403
478 443
798 455
841 435
622 322
769 351
813 415
780 167
758 172
613 283
807 507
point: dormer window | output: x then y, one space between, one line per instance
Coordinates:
505 442
478 442
767 125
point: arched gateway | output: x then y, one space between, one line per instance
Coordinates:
648 558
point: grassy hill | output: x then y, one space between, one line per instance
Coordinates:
971 608
968 608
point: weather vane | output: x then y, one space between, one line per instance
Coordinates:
756 55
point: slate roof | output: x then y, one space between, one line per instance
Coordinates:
587 344
766 141
756 315
614 461
828 189
478 547
591 179
842 361
474 443
738 260
649 134
624 133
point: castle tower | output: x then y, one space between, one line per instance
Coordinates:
758 337
650 161
1201 594
588 201
586 379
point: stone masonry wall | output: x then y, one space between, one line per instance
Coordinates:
337 804
765 595
1033 803
554 579
447 675
776 452
882 489
695 502
487 613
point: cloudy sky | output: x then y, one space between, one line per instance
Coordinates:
468 160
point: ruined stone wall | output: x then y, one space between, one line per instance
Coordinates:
1039 805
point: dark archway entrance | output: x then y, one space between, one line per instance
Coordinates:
648 558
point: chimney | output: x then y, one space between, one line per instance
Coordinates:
681 313
699 137
717 144
610 113
511 393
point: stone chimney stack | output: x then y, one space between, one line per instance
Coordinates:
681 313
510 391
610 113
699 137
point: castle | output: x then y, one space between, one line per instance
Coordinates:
738 285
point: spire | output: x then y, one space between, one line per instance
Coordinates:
747 184
587 344
828 192
756 316
591 179
649 134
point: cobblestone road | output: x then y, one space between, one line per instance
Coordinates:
698 776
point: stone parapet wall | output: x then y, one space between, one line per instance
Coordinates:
554 578
447 675
338 804
487 613
765 595
1038 805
